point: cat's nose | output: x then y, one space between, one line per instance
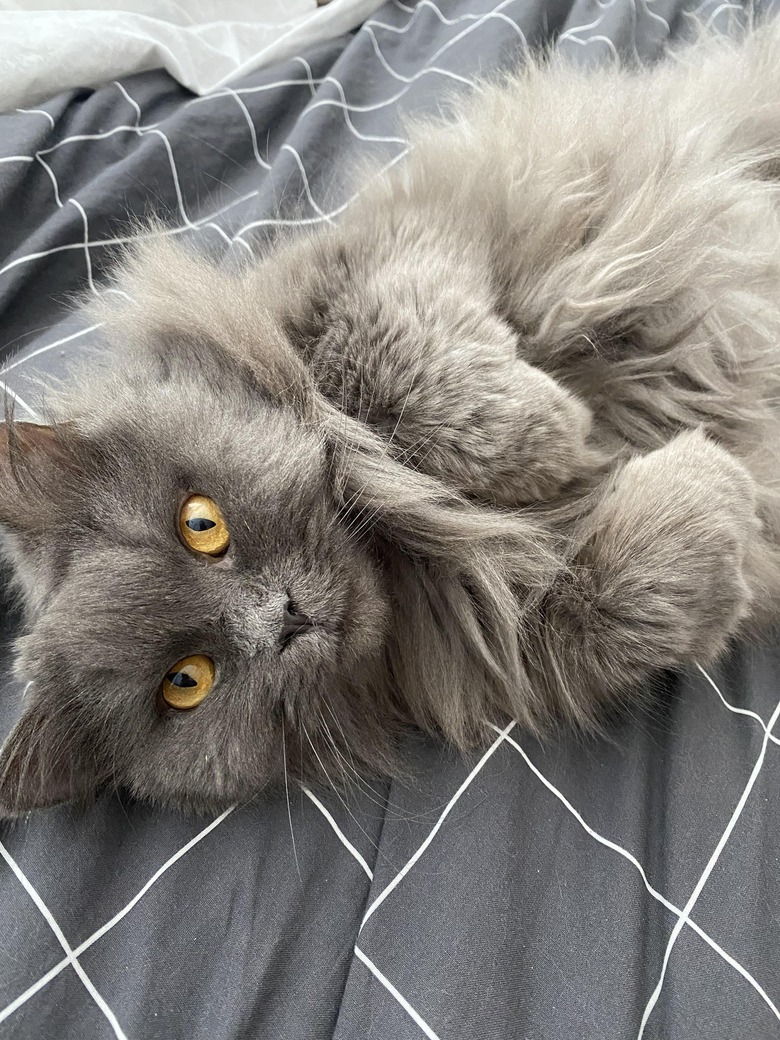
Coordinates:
293 623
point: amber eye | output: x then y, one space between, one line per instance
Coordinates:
188 682
203 527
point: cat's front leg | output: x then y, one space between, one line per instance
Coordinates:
659 579
461 407
402 334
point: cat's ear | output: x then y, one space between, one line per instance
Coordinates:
27 452
44 762
27 440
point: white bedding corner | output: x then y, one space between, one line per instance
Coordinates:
48 47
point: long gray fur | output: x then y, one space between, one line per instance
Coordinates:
509 431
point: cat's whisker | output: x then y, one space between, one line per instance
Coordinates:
114 772
343 801
356 778
343 424
341 730
355 520
336 791
333 787
287 794
406 457
360 512
366 518
355 527
401 456
348 474
406 400
382 801
341 762
413 451
389 442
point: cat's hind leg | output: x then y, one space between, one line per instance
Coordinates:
659 578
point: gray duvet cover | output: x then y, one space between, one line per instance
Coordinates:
607 891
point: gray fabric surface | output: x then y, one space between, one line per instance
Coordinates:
566 891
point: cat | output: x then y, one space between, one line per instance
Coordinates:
502 444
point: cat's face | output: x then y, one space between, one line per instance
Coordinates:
290 613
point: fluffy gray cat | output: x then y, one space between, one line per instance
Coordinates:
504 443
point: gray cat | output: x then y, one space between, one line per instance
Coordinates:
502 444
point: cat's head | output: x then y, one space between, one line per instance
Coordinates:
223 576
199 612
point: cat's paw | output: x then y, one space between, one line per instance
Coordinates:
522 440
541 439
670 543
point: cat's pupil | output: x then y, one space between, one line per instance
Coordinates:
200 523
181 679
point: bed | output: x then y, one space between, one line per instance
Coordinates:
607 889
